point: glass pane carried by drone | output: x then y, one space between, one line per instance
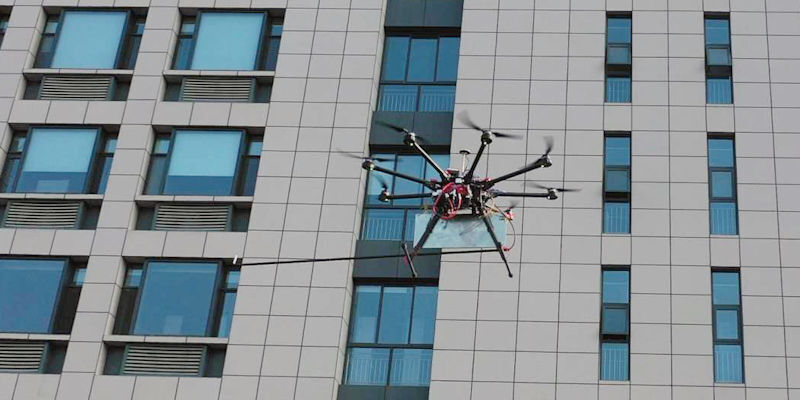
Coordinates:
463 231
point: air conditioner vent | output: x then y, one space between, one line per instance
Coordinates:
76 87
192 217
21 356
43 214
218 89
158 359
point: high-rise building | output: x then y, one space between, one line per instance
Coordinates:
154 152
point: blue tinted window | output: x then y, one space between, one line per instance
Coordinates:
437 98
447 69
717 31
615 321
618 180
722 184
614 362
411 165
398 98
616 286
226 319
618 89
395 315
228 40
378 179
89 39
424 318
728 363
422 60
383 224
724 220
725 288
203 162
720 153
57 160
365 366
619 30
411 367
726 324
29 291
396 58
616 217
719 91
618 151
365 314
176 298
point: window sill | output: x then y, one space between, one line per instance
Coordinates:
152 199
122 339
92 198
614 383
177 73
35 336
37 73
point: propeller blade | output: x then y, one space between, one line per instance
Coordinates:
378 159
381 180
560 190
506 135
548 140
392 126
464 118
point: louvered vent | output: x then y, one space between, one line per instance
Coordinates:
43 214
192 217
21 356
76 87
158 359
218 89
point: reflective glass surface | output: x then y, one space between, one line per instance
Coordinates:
618 89
411 367
614 361
228 41
728 363
89 39
378 179
722 184
396 58
618 180
616 286
619 30
724 219
720 152
424 317
410 165
398 98
726 324
618 151
422 60
176 298
29 291
395 317
383 224
617 217
725 288
225 320
719 91
615 321
57 160
717 31
365 314
203 162
437 98
367 366
447 68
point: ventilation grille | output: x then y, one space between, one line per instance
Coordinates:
21 356
156 359
76 87
43 214
192 217
218 89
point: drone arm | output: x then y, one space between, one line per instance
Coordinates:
406 196
424 238
520 194
497 243
370 166
413 143
543 161
471 172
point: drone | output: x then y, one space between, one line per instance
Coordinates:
460 191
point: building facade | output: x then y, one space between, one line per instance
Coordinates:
155 152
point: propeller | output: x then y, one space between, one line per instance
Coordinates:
560 190
548 141
464 118
378 159
400 129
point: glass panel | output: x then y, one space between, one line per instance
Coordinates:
155 178
724 219
254 148
395 59
615 321
722 184
28 294
618 180
411 367
717 31
133 278
718 55
203 162
719 91
277 28
423 321
617 217
45 57
614 362
161 146
367 366
17 144
228 41
447 68
727 324
111 145
57 160
411 218
395 315
250 176
378 179
398 98
364 323
437 98
51 26
225 320
616 286
104 172
272 53
618 90
78 276
720 153
422 60
10 172
619 30
409 165
176 299
725 288
618 150
619 54
728 363
183 52
232 280
89 39
381 224
188 26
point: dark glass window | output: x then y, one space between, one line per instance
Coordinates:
3 27
228 40
419 73
719 71
722 185
615 324
228 298
59 160
391 335
618 58
395 220
617 183
90 39
727 314
204 162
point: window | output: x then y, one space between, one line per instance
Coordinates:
59 160
722 185
179 298
90 39
228 41
617 184
39 295
395 220
3 27
419 73
391 336
727 314
615 324
204 162
719 80
618 59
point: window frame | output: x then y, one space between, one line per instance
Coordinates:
215 297
717 71
714 307
616 196
66 277
734 199
91 180
618 70
122 42
613 337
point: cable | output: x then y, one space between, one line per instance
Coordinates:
306 260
